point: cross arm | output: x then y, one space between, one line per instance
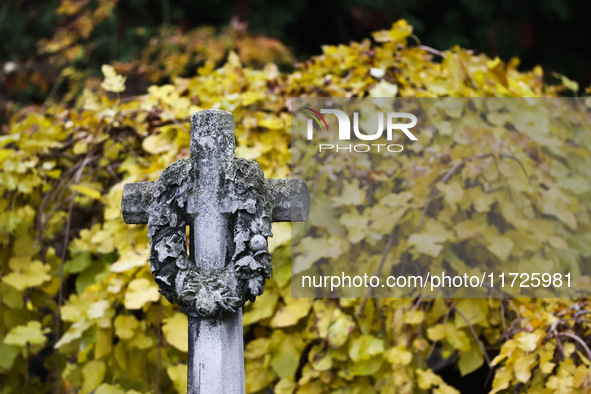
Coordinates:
290 199
136 201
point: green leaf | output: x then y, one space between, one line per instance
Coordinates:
79 263
92 274
286 354
470 361
9 354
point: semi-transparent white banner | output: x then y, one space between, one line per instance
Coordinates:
443 197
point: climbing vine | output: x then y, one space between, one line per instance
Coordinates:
78 299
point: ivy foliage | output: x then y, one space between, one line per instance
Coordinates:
63 242
89 32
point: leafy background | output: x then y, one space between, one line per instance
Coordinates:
77 298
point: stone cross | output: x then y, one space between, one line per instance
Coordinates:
229 207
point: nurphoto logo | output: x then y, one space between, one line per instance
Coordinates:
345 129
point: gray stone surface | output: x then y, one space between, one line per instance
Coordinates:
217 365
289 198
229 206
136 201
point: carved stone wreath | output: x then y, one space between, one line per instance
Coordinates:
201 292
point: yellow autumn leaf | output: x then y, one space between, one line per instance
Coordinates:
285 386
258 375
396 200
397 34
54 173
365 346
569 349
398 355
70 313
313 249
257 348
340 329
384 219
87 191
94 374
457 337
500 247
414 316
106 388
581 377
522 367
74 332
176 331
557 204
178 375
383 89
125 326
356 224
502 379
436 333
32 275
130 260
427 379
104 343
453 193
528 341
263 308
272 123
142 341
323 314
547 367
569 84
475 310
158 143
368 367
320 360
292 312
281 235
470 361
428 244
140 292
445 389
352 194
30 333
112 82
97 309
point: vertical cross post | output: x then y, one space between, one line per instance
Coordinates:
216 353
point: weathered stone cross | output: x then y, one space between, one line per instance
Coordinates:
229 206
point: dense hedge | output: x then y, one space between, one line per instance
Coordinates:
63 242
